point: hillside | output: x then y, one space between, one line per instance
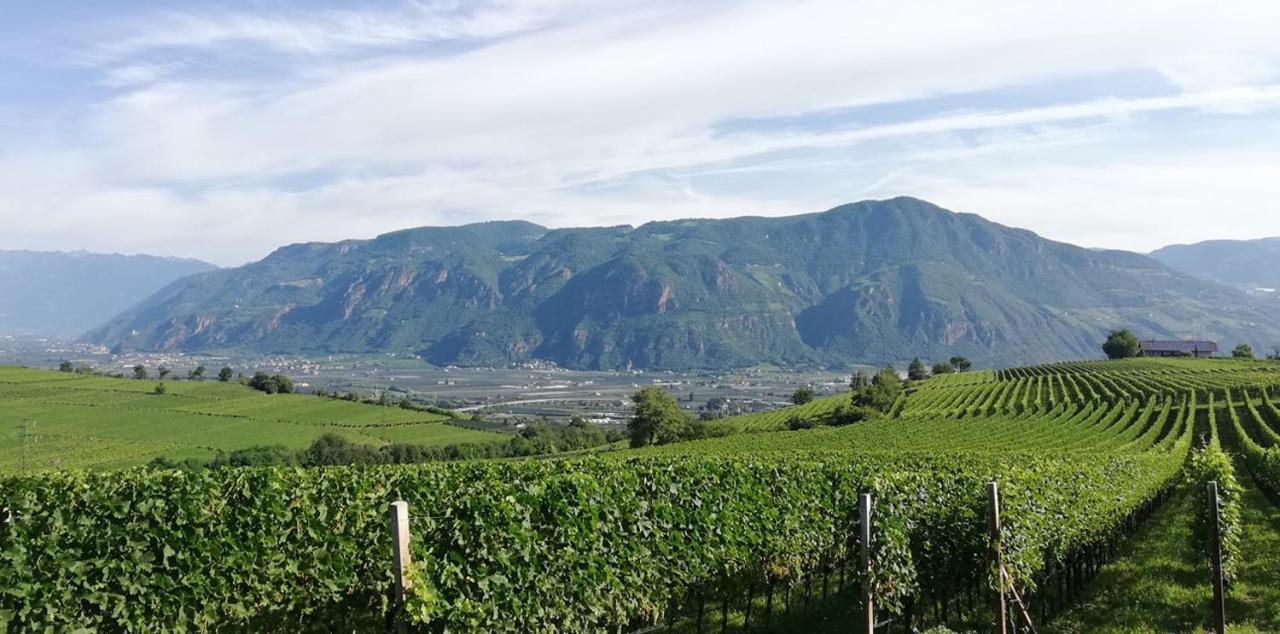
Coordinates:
65 294
709 535
62 420
876 281
1248 265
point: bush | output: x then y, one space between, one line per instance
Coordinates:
850 414
1213 465
797 423
271 384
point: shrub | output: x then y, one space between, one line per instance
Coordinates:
1213 465
849 414
797 423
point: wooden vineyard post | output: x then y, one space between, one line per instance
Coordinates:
399 521
868 593
999 607
1219 594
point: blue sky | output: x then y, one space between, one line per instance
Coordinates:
221 130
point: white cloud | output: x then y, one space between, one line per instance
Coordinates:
138 74
1122 204
312 30
551 97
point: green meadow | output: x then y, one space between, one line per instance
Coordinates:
51 420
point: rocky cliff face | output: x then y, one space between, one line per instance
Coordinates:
877 281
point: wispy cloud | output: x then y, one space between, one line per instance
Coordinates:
239 130
309 30
138 74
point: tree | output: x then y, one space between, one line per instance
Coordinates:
1121 344
65 366
159 389
140 372
658 419
961 364
802 395
916 371
225 374
943 368
162 372
1274 355
1243 351
196 374
881 393
859 380
717 404
271 384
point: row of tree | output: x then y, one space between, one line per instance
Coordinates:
333 449
917 371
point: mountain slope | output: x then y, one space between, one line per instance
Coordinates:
877 281
60 294
1248 265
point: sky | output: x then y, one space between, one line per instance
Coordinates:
223 130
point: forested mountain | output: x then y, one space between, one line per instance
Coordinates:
875 281
1249 265
66 293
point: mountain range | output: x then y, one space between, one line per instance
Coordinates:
872 282
66 293
1252 266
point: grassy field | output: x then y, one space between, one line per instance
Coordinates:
58 420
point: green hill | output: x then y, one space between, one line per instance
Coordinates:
54 420
873 282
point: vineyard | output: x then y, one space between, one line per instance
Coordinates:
740 532
61 420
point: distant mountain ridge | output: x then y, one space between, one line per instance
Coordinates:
875 281
1248 265
54 293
